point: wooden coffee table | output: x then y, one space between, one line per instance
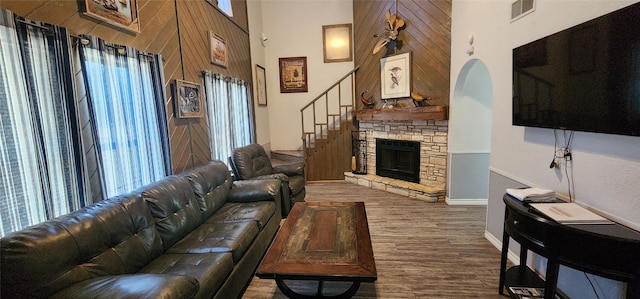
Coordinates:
323 241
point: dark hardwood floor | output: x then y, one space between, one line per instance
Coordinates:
422 250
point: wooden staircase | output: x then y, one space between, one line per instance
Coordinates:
327 123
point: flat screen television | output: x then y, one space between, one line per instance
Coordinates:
584 78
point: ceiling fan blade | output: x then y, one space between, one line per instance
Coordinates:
387 16
392 21
379 45
399 23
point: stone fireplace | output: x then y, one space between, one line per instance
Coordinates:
432 138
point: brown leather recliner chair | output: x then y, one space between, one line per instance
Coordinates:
252 162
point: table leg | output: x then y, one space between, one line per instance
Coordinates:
503 261
287 291
320 286
551 278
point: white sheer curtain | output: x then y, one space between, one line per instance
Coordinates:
126 93
230 115
41 173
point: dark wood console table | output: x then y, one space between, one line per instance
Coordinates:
607 250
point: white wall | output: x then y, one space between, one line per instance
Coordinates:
470 115
606 168
294 28
470 135
254 12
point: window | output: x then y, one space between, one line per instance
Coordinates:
126 100
225 6
229 113
41 174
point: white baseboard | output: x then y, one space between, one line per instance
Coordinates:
466 201
514 258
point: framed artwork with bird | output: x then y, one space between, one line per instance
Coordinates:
395 76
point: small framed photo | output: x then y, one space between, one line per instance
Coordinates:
218 49
395 76
293 74
336 41
261 85
119 13
187 100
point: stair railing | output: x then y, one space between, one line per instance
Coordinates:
321 124
326 130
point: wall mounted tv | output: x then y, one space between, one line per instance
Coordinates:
584 78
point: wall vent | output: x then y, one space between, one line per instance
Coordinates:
521 8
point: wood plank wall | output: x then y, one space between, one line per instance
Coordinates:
179 31
195 21
176 29
427 35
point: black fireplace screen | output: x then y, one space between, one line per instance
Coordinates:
398 159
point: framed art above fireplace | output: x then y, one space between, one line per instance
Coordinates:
395 76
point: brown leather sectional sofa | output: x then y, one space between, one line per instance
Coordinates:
193 235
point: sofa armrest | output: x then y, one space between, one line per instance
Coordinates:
133 286
255 190
278 176
292 169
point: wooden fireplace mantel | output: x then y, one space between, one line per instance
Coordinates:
413 113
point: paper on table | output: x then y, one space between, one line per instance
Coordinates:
570 213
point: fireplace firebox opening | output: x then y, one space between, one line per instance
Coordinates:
398 159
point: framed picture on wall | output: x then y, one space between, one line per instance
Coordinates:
261 85
395 76
218 49
187 100
119 13
293 74
336 41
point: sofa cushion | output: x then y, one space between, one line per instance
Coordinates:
258 212
255 190
218 237
211 183
209 269
250 161
133 238
133 286
114 236
174 207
